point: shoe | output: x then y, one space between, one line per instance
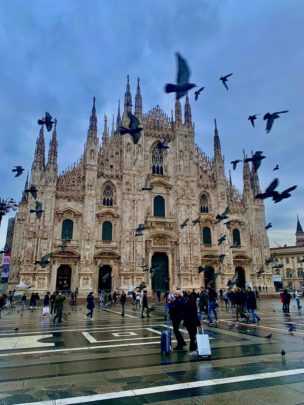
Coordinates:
91 319
148 316
184 344
142 317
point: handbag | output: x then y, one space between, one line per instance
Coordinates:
46 311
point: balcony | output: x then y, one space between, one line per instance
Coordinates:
160 222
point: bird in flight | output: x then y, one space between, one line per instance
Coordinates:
276 168
33 190
38 209
221 240
234 163
224 80
269 192
184 223
202 269
252 118
268 226
182 81
47 121
147 186
221 217
44 261
256 159
198 92
221 258
196 221
277 196
19 170
270 117
164 144
260 271
269 260
134 128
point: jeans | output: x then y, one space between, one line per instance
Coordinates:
90 313
123 309
211 307
255 317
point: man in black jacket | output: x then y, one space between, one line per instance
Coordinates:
176 309
123 299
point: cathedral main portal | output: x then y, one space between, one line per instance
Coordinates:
105 279
63 281
160 272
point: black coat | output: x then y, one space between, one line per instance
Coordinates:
190 316
123 298
176 309
251 300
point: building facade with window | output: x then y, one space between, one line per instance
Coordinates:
92 209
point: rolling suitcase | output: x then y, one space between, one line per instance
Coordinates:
203 345
165 342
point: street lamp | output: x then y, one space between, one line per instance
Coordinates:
6 206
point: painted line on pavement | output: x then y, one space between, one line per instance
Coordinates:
119 313
172 387
248 325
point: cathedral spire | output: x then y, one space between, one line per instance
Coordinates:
118 118
178 113
52 157
128 98
92 131
299 226
39 157
138 101
255 183
188 115
299 233
246 176
105 134
217 143
113 126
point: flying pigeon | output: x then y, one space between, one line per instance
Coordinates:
147 186
234 163
236 244
32 190
106 277
256 159
153 270
221 240
269 192
221 217
140 228
202 269
182 81
221 258
38 210
164 144
268 226
198 92
184 223
19 170
260 271
269 336
277 196
138 233
196 221
47 121
134 128
271 117
252 118
276 168
269 260
44 261
141 286
224 79
64 244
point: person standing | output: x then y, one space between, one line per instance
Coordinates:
145 305
58 307
252 306
46 304
212 297
203 302
52 301
90 306
286 297
191 321
158 294
239 302
176 309
123 299
298 299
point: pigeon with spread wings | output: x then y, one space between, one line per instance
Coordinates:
134 128
38 209
182 81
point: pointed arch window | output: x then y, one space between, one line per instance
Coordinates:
108 195
159 206
107 231
207 239
157 161
204 204
67 229
236 237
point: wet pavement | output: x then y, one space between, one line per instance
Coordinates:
117 360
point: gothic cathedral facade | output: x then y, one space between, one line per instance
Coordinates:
92 209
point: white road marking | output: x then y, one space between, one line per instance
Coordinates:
24 342
119 313
89 337
124 334
171 387
154 331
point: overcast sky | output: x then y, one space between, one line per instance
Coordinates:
57 55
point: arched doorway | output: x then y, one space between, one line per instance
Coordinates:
63 280
241 279
209 277
160 272
105 279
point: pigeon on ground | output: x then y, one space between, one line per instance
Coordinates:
221 217
196 221
16 329
276 168
270 117
269 192
19 170
252 118
182 81
147 186
198 92
256 159
234 163
231 325
269 336
184 223
268 226
277 196
134 128
224 80
164 144
221 258
47 121
221 240
38 210
33 190
44 261
283 353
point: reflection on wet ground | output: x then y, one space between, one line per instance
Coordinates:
117 360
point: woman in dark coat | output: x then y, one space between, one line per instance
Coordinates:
191 321
90 305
